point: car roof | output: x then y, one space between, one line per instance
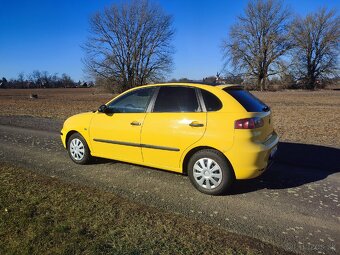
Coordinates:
197 85
217 90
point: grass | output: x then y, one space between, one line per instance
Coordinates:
299 116
42 215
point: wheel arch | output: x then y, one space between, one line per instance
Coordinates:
199 148
70 133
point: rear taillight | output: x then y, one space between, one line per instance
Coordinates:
249 123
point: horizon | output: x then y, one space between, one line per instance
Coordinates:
47 36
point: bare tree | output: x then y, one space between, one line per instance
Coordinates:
3 82
67 81
316 38
258 40
231 78
35 77
45 78
21 79
130 44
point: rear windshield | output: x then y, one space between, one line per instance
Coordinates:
247 100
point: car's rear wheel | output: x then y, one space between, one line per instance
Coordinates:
210 172
78 149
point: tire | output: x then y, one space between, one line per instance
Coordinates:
78 149
210 172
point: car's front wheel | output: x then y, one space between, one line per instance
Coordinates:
210 172
78 149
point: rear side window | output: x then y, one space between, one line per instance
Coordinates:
212 103
247 100
176 99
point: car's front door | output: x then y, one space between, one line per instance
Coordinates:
175 123
115 134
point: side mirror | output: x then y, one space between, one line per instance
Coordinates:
103 108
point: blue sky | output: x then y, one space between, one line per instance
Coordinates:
46 35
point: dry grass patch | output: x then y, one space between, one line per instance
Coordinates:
42 215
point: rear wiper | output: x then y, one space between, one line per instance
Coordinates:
266 108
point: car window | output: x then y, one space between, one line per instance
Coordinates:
176 99
247 100
133 102
212 103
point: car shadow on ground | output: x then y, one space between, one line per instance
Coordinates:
100 161
295 165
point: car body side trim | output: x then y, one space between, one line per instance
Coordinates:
137 145
159 147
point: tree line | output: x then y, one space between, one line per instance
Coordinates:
268 41
42 79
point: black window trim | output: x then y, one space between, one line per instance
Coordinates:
153 100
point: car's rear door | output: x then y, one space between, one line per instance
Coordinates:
116 134
175 123
256 108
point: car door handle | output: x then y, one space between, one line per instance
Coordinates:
196 124
135 123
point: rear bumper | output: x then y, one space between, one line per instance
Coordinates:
272 156
250 159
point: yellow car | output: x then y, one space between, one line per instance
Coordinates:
215 134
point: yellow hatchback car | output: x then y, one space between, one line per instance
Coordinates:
215 134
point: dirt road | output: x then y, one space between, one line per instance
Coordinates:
295 205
